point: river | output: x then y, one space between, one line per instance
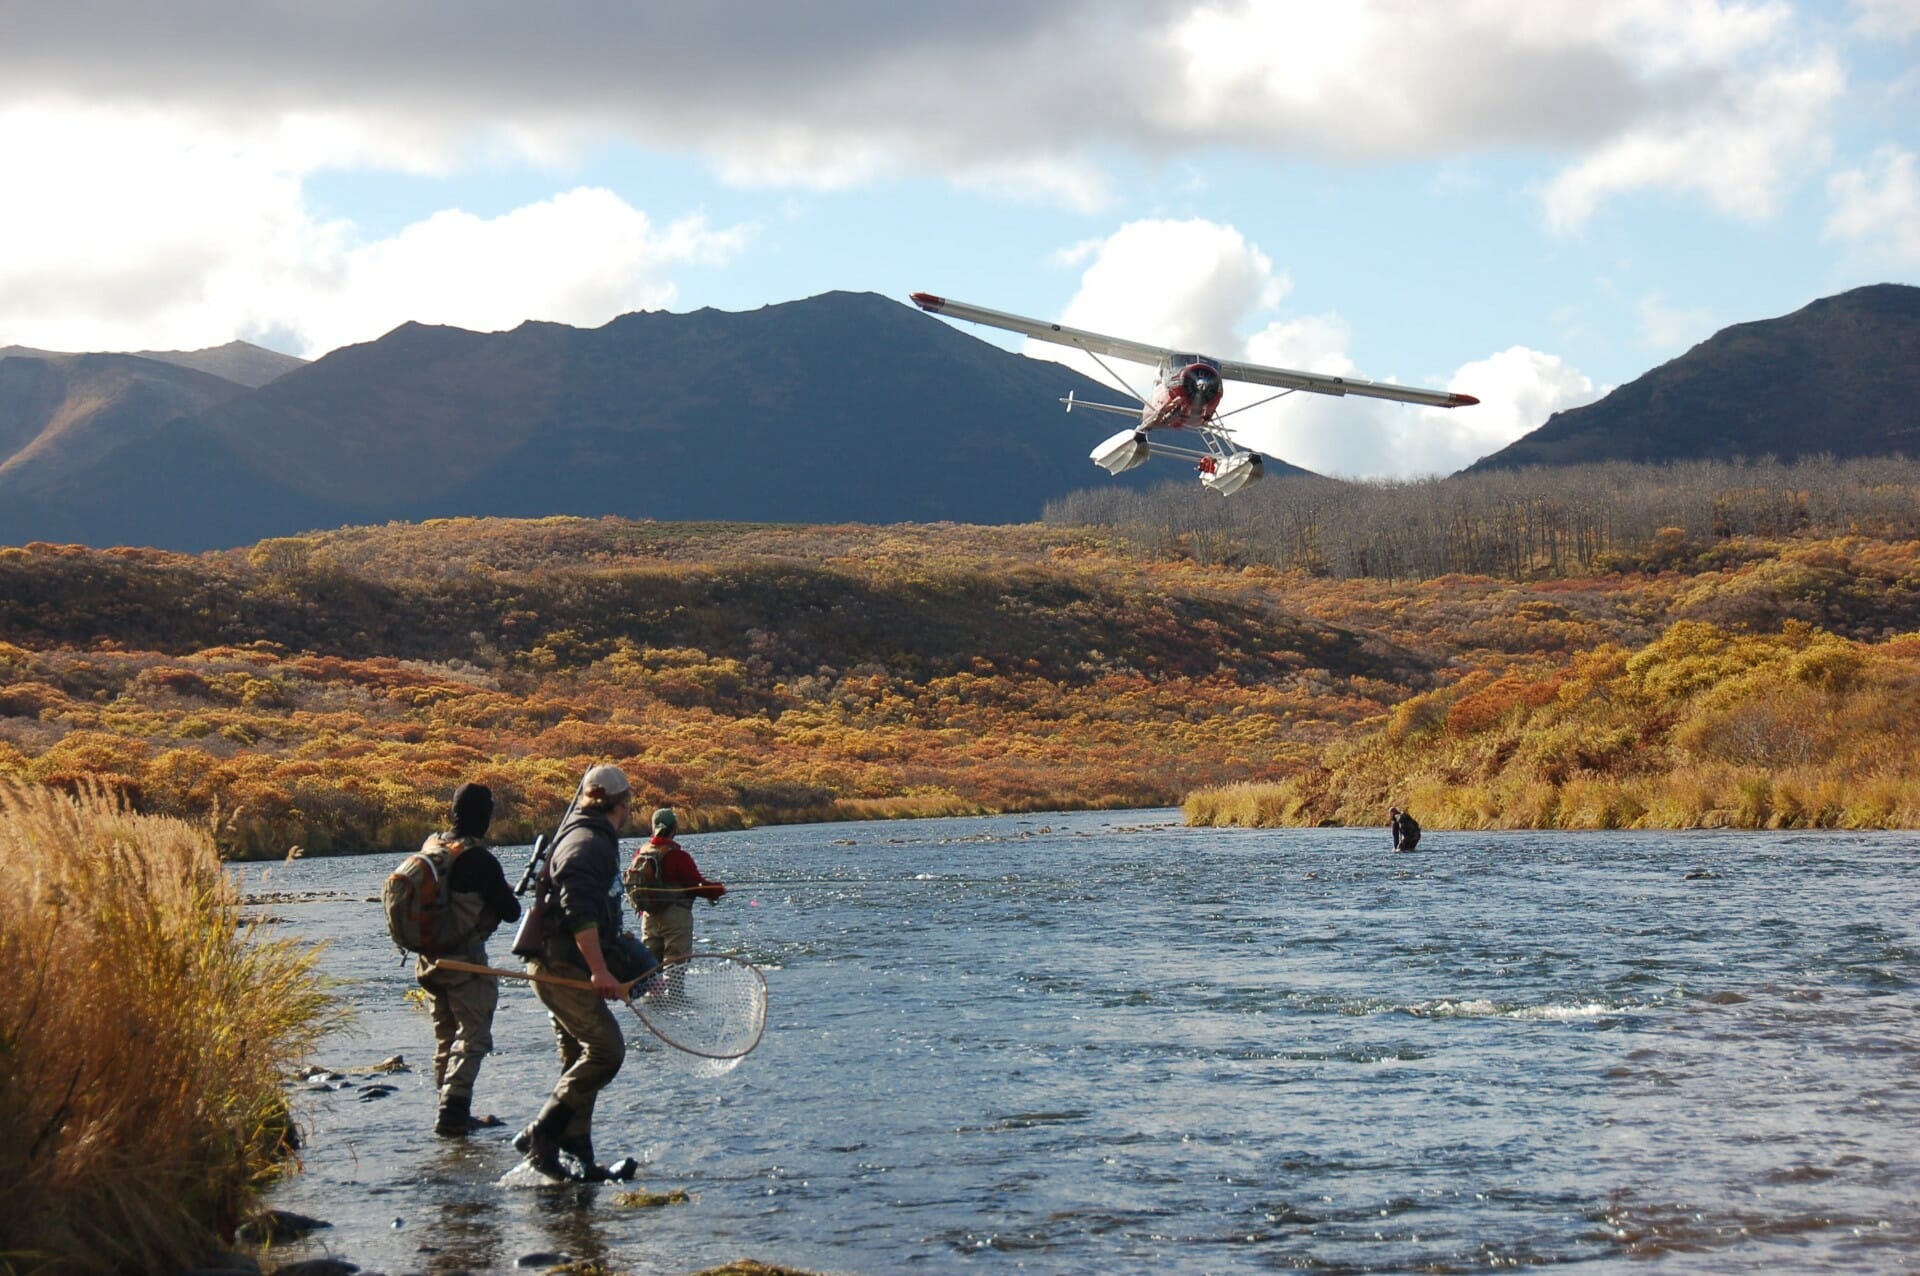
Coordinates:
1105 1042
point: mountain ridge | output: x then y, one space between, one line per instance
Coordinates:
1836 377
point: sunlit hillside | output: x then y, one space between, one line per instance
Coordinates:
329 691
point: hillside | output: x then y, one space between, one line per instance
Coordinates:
1839 377
329 691
67 419
838 407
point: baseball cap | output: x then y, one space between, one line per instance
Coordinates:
604 783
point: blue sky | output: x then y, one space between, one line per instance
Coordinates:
1528 200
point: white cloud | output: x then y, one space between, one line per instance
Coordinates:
1518 390
1738 152
579 258
153 231
170 160
1877 209
1190 283
1896 18
832 94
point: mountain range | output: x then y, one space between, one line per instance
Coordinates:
846 407
842 407
1839 377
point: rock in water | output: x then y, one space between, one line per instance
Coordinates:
276 1226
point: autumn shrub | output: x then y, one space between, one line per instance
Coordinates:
146 1033
783 673
1701 727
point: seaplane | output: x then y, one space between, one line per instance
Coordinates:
1186 395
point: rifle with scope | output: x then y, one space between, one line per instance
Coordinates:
531 939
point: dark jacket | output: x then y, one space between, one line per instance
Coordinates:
477 872
585 872
1406 832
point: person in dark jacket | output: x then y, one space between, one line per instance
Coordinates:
1406 829
462 1003
584 941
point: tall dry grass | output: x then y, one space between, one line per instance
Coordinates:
145 1034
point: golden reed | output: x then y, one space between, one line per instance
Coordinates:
146 1032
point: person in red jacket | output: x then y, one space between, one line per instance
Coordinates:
662 882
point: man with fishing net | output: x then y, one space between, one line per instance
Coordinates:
584 945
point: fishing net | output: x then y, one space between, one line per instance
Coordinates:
710 1005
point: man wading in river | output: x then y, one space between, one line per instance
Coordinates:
463 1003
662 883
583 942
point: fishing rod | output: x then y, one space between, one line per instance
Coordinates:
871 881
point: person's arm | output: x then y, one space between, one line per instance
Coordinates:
493 887
687 875
588 942
579 891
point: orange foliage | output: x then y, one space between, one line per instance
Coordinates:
752 674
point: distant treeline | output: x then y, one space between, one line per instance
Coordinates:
1519 524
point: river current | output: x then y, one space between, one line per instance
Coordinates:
1106 1043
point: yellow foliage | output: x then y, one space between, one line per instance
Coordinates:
145 1120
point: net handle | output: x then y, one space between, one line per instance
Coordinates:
475 968
626 993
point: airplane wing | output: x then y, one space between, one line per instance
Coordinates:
1112 347
1141 352
1319 383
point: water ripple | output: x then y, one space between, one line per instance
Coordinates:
1105 1042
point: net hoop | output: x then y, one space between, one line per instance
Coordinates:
713 1005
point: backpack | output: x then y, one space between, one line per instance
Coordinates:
645 891
417 895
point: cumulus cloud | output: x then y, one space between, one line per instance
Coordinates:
579 258
1877 209
1518 389
1175 283
151 230
1225 286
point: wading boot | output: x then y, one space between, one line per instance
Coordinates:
456 1116
580 1148
541 1141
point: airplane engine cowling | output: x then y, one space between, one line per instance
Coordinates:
1235 473
1121 452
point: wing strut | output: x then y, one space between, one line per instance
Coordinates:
1095 356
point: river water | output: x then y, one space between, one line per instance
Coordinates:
1109 1043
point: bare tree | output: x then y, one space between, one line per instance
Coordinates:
1518 524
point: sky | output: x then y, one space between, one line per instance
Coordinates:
1531 201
